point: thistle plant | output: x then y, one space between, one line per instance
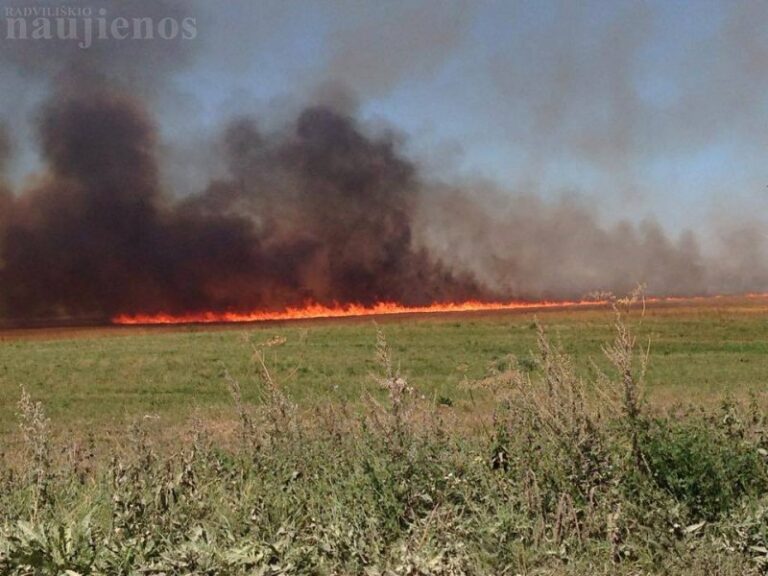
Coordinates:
35 432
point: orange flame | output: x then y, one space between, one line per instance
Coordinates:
313 310
339 311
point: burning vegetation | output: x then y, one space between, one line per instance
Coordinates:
321 214
319 219
312 211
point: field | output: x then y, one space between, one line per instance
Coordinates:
504 443
103 378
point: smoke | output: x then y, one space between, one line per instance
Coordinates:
312 204
5 148
379 47
576 93
536 249
342 200
5 193
140 65
321 213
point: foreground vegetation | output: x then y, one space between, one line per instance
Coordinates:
559 473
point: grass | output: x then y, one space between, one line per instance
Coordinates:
570 471
102 379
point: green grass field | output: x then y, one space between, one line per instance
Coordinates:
97 379
322 460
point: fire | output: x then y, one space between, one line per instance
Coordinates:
313 310
339 311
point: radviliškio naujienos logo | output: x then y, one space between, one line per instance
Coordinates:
87 26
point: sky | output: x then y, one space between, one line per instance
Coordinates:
399 150
652 108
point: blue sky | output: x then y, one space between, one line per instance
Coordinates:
646 108
650 107
539 127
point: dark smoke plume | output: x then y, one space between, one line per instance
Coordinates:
282 209
5 148
318 212
6 199
321 213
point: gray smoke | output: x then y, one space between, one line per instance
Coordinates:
5 149
137 206
524 246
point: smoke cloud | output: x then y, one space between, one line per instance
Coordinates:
321 213
5 148
535 249
320 206
6 199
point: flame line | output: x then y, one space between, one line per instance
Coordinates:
315 311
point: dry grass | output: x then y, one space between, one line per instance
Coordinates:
563 474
